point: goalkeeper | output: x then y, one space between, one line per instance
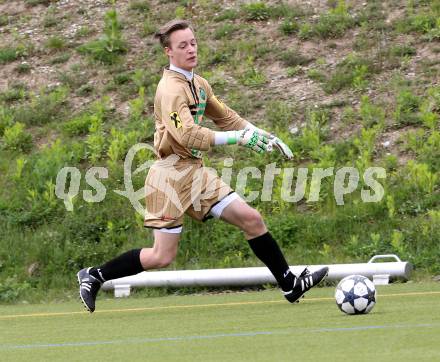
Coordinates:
178 183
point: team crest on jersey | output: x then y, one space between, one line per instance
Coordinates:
202 94
176 119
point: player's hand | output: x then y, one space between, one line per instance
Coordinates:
253 138
275 142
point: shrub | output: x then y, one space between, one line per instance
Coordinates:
16 138
23 68
95 140
83 31
293 57
228 14
225 31
256 11
111 46
148 27
15 93
313 133
55 43
353 71
292 71
43 108
119 143
45 164
50 19
407 108
39 2
140 6
434 33
421 23
372 16
77 126
75 77
253 77
371 114
60 59
8 54
4 20
11 289
316 75
333 24
6 119
430 108
402 50
429 153
279 114
305 31
286 11
289 27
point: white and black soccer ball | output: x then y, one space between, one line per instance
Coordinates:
355 294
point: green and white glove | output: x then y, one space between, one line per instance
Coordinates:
253 138
250 137
275 142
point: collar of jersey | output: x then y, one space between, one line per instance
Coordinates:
188 75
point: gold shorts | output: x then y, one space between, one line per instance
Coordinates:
175 187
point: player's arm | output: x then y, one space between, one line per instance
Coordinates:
224 117
236 130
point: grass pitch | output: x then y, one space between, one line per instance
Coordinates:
251 326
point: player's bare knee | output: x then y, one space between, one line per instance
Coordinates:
163 260
252 221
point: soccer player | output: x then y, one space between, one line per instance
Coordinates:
178 183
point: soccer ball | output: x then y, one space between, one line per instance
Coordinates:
355 294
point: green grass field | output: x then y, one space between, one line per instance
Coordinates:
254 326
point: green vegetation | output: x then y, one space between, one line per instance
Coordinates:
16 138
38 2
42 108
8 54
141 6
256 11
289 26
111 45
55 43
353 71
343 85
293 57
331 24
225 31
251 325
424 22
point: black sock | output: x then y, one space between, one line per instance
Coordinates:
267 250
123 265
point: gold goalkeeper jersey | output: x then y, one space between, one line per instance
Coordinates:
179 108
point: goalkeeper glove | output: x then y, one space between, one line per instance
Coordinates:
280 146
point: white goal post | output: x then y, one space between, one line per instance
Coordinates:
379 272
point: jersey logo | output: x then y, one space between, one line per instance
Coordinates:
176 119
202 94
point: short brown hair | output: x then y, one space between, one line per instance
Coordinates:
164 33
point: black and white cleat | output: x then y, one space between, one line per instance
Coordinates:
88 288
304 283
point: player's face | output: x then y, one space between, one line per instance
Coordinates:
183 49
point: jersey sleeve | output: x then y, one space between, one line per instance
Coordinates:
179 122
224 117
